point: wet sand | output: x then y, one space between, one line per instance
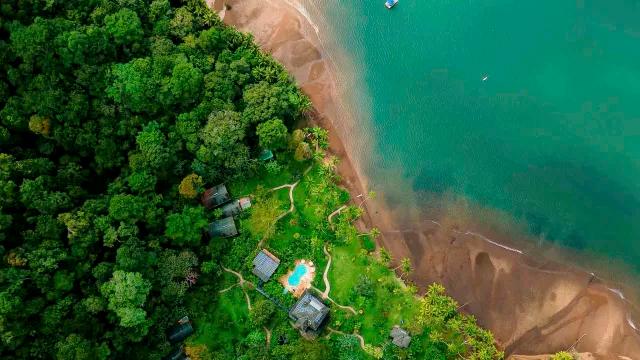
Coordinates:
532 305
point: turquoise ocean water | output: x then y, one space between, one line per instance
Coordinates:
551 137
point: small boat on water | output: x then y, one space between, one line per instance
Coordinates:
390 3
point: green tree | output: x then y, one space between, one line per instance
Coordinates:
126 294
75 347
142 182
182 22
153 147
190 186
303 152
261 313
272 134
562 355
223 130
40 125
364 287
124 26
264 102
185 82
187 227
127 207
406 267
132 85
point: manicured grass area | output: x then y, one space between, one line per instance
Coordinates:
390 302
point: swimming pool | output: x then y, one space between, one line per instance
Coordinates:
297 274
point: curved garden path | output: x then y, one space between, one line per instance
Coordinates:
358 336
227 289
268 333
325 275
330 217
292 206
241 282
327 285
343 306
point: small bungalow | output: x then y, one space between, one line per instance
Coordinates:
400 336
224 227
215 196
308 314
176 354
236 207
181 331
264 265
265 155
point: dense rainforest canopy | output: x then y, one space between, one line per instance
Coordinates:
113 116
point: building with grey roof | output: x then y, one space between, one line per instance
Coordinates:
309 313
181 331
215 196
265 264
400 337
236 207
224 227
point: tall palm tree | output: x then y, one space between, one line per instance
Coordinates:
405 267
385 256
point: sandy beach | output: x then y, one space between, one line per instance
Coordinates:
532 305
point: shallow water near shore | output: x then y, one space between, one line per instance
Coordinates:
527 108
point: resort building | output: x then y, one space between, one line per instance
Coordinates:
264 265
215 196
224 227
308 314
265 155
236 207
182 331
400 337
177 354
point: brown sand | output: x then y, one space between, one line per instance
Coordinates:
532 306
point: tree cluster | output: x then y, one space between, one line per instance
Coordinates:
114 115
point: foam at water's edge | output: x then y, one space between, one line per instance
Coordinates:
632 324
303 11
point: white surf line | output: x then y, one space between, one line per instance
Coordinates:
303 11
467 233
493 242
617 292
482 237
631 323
300 8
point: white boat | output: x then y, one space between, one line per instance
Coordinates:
390 3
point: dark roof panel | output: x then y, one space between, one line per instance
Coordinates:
225 227
309 312
180 332
215 196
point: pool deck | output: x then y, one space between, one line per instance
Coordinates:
305 280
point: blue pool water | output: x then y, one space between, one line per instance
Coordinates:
298 273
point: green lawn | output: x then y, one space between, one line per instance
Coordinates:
391 303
